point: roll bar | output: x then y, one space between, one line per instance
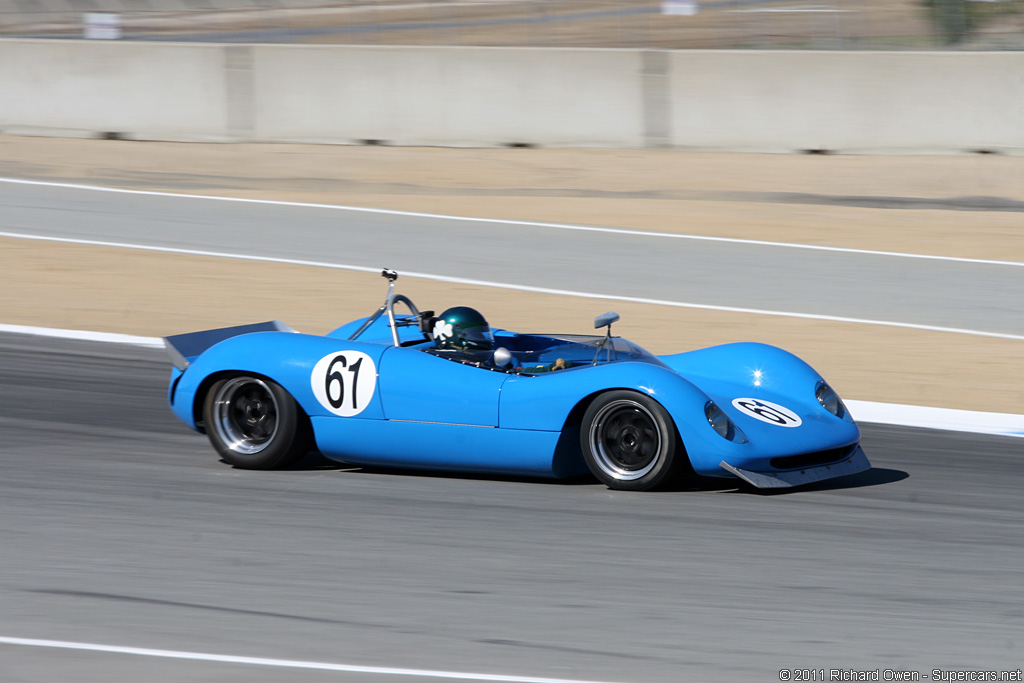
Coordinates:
389 308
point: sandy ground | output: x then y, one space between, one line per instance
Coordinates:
914 204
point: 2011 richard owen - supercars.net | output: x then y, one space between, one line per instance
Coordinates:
409 389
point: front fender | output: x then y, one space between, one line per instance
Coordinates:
748 370
546 402
744 364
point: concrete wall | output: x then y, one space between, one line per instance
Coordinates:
150 90
878 101
742 100
444 96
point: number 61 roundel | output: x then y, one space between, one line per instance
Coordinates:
344 381
769 412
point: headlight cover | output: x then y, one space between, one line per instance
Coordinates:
721 423
830 401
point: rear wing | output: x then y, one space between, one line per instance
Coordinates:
183 348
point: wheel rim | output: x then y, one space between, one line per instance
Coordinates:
245 415
625 440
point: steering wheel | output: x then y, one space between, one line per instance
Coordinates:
401 298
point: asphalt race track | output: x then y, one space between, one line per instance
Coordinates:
944 293
119 527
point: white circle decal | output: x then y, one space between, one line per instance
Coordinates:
344 381
769 412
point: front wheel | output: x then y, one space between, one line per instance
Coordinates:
254 424
628 441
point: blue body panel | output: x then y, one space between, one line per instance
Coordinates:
768 373
410 408
419 386
434 446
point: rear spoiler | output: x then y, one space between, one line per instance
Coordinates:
183 348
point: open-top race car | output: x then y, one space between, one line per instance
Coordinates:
415 390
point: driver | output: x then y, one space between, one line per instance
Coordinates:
461 333
463 329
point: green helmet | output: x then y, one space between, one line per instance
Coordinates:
464 329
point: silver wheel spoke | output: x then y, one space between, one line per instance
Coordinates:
245 415
625 440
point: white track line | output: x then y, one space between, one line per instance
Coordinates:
515 287
1003 424
534 224
803 9
83 335
281 663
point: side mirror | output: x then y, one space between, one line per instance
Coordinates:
605 320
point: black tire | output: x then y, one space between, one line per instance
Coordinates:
629 441
254 424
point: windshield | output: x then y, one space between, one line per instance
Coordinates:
539 353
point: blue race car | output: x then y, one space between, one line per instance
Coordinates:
448 393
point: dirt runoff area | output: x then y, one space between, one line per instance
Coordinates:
915 204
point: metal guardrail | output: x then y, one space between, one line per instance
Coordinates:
663 24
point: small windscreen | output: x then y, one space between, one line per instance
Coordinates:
573 350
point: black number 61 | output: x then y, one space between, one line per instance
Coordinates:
766 412
336 376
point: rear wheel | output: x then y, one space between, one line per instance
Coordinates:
254 424
629 441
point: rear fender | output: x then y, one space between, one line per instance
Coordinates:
288 360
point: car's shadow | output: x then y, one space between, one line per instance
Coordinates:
315 462
876 476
